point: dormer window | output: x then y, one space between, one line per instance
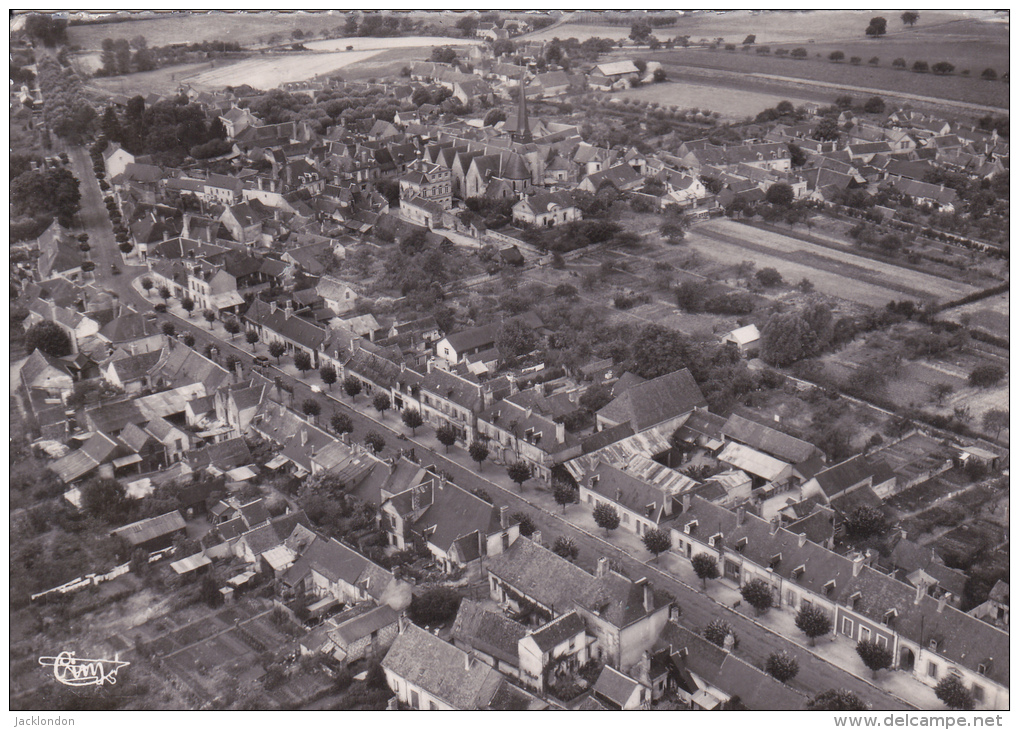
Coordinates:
649 509
741 544
690 526
715 540
890 616
981 669
829 588
933 646
853 599
775 560
799 571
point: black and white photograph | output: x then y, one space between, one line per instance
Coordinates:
510 360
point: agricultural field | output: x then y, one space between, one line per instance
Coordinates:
836 273
271 71
583 32
685 95
990 315
372 44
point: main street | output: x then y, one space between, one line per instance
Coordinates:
756 642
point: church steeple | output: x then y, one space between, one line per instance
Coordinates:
523 131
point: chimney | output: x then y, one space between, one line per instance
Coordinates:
857 563
402 622
802 539
430 365
467 662
686 501
304 437
774 525
237 371
649 595
644 669
415 500
560 432
272 307
503 517
942 600
741 516
603 568
392 466
290 308
536 537
919 593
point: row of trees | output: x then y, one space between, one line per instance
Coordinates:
66 111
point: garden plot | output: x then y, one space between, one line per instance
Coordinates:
839 274
990 315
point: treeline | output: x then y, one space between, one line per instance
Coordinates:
121 56
169 130
331 107
48 29
66 111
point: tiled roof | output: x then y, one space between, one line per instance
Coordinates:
488 632
842 476
647 404
137 366
363 625
558 630
441 670
138 533
540 574
615 686
768 440
338 563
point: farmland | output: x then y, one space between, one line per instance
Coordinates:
271 71
989 315
701 96
882 77
839 274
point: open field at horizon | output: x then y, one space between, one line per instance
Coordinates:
735 105
835 273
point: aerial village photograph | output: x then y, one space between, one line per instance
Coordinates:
502 360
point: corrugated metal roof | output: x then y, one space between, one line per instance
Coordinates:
745 458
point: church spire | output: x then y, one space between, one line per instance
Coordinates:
523 131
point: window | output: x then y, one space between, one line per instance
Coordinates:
864 633
978 693
414 701
981 669
847 627
932 670
882 641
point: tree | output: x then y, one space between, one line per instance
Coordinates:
382 403
706 568
877 27
995 420
341 423
798 53
875 656
717 631
941 391
351 386
909 18
188 339
446 435
302 361
168 329
251 336
523 519
49 338
827 130
984 376
780 194
435 606
311 408
519 472
328 374
276 350
899 63
874 105
656 542
412 419
769 277
865 522
188 305
147 285
478 452
989 74
836 700
782 666
105 499
494 116
659 75
565 547
164 293
920 67
758 594
836 56
813 622
374 441
563 493
942 68
606 517
210 316
640 30
233 326
954 694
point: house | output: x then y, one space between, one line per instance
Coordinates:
282 325
155 533
849 475
518 433
995 608
746 339
428 182
546 210
98 449
236 120
458 528
623 615
621 692
59 254
488 635
116 158
641 506
762 468
244 221
563 641
427 673
327 569
365 635
454 399
621 177
131 373
805 458
46 374
661 402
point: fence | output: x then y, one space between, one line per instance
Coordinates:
92 579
